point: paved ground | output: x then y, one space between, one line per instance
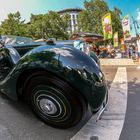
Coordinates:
131 130
17 122
116 62
111 122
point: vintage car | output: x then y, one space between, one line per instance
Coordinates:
58 81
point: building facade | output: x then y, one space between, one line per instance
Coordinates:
73 20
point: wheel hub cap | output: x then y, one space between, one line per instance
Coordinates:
48 106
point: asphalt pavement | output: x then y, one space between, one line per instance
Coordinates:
17 122
131 129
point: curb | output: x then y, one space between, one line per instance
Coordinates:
119 62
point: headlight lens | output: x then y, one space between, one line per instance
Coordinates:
101 82
101 75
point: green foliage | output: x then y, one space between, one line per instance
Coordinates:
50 25
90 19
13 25
116 21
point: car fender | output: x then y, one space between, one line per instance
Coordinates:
68 63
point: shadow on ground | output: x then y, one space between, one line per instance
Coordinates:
131 127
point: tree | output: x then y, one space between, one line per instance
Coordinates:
13 25
116 21
50 25
36 26
90 19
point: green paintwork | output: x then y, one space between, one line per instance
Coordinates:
67 63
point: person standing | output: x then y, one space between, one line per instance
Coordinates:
123 50
134 51
138 45
130 51
109 49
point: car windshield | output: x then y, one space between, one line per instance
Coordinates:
16 40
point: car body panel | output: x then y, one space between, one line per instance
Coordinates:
81 45
73 66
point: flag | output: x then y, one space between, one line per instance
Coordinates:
115 39
107 26
126 28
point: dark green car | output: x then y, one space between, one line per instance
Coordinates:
58 81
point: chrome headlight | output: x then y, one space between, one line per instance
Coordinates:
100 83
101 75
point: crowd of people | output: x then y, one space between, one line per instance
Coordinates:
109 51
104 51
129 51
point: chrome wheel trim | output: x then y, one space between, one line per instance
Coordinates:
48 106
105 102
53 107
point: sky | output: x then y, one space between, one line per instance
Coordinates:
26 7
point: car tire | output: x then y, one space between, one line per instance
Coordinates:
55 102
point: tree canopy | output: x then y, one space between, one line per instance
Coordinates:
13 25
50 25
90 18
53 25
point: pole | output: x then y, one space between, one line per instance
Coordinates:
137 38
135 23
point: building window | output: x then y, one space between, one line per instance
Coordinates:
74 22
73 16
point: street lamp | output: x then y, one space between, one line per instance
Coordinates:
136 26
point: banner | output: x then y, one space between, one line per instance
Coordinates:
107 26
115 39
126 28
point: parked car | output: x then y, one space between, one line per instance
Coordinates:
58 81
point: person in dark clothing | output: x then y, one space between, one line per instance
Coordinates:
95 49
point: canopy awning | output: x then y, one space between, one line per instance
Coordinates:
88 37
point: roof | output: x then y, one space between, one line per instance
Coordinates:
88 37
87 34
70 10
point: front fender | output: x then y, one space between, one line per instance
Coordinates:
68 63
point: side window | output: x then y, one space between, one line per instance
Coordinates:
14 55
